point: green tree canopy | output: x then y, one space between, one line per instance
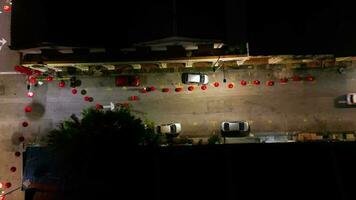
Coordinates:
84 147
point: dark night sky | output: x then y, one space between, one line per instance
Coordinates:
270 27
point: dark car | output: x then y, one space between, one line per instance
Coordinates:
127 80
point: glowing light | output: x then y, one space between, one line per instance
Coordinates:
30 94
7 8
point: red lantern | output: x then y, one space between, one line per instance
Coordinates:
270 83
86 98
134 98
216 84
178 89
310 78
191 88
243 83
152 88
99 106
28 109
165 90
7 185
143 90
24 124
203 87
13 169
283 80
61 84
32 80
7 8
256 82
74 91
49 78
30 94
231 85
17 154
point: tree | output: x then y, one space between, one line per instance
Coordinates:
100 143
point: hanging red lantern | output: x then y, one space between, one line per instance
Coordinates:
178 89
24 124
30 94
310 78
99 106
28 109
283 80
152 88
74 91
270 83
165 90
216 84
134 98
256 82
49 78
32 80
231 85
243 83
203 87
7 8
143 90
17 153
7 185
191 88
13 169
61 84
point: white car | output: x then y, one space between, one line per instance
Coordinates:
351 98
195 78
233 127
172 128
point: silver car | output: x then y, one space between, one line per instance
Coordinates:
351 98
172 128
195 78
234 127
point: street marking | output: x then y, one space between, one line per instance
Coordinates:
3 42
9 73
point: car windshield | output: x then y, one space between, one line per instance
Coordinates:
173 129
242 126
202 78
226 126
352 98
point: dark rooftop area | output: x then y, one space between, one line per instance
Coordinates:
270 27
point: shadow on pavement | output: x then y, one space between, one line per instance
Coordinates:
15 138
340 102
38 111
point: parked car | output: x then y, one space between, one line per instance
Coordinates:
234 128
351 98
169 129
195 78
127 80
